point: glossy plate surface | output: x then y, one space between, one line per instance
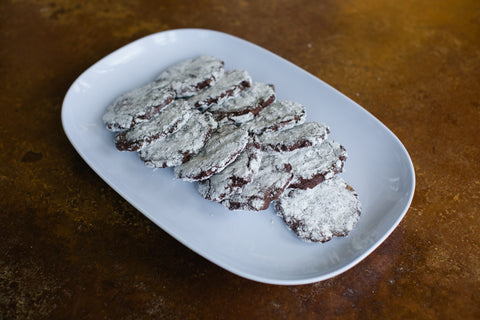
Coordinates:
256 246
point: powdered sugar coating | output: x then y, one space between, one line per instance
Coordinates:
312 165
169 120
330 209
230 85
246 105
137 106
303 135
177 148
266 186
219 151
234 176
280 115
190 76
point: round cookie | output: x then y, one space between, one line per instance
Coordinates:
232 179
230 85
169 120
314 164
179 147
246 105
318 214
303 135
191 76
219 151
266 186
325 161
137 106
280 115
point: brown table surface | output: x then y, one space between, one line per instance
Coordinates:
70 247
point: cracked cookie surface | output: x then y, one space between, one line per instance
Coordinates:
169 120
237 174
219 151
303 135
246 105
179 147
230 85
137 106
266 186
280 115
190 76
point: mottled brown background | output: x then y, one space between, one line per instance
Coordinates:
70 247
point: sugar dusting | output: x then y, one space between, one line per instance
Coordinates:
267 185
246 105
280 115
220 150
174 149
169 120
230 85
190 76
330 209
234 176
305 134
137 106
325 159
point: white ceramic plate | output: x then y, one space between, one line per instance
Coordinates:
256 246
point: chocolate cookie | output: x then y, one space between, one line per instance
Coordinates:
312 165
190 76
280 115
300 136
330 209
177 148
234 176
266 186
169 120
230 85
246 105
137 106
219 151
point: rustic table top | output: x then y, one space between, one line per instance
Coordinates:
70 247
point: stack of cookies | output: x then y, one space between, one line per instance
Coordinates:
245 148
